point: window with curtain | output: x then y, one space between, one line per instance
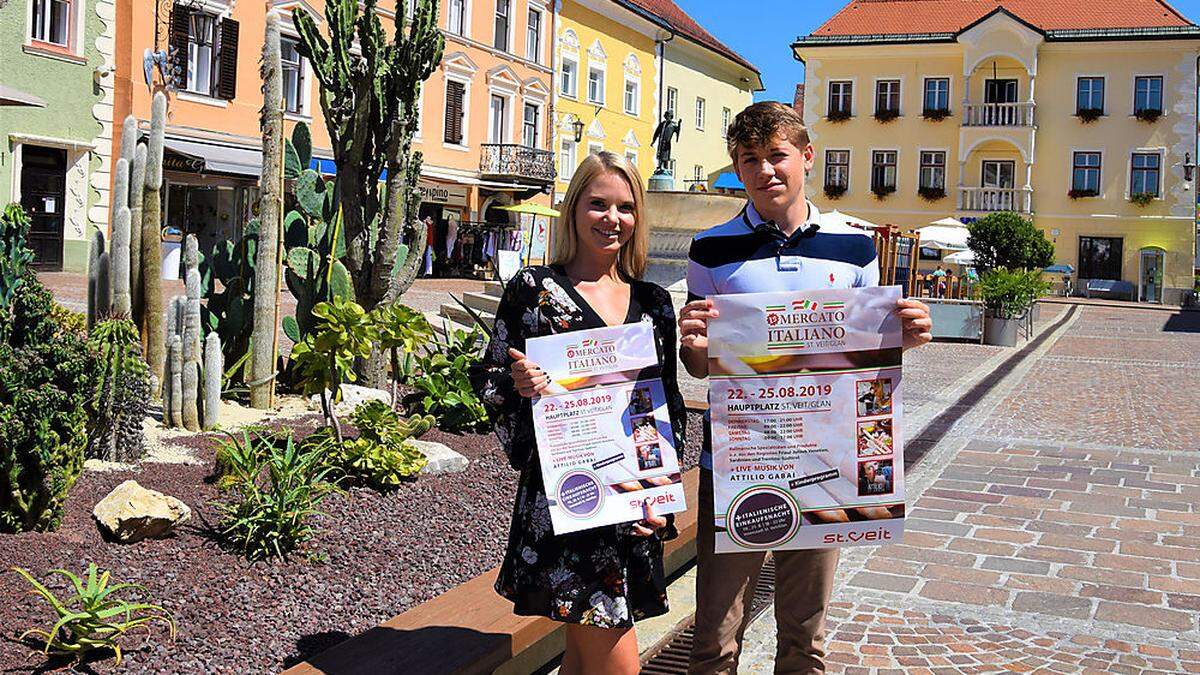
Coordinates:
837 169
883 170
887 96
1146 173
933 170
1085 172
841 95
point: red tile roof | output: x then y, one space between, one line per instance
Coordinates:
908 17
678 21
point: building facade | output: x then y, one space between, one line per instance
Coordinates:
1082 120
56 122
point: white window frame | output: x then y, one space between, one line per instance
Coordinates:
574 93
568 158
465 28
637 95
214 57
539 123
305 88
726 120
603 83
74 26
595 147
698 173
949 90
505 135
825 182
829 95
1162 170
945 166
534 52
895 165
899 93
465 81
508 42
673 101
701 113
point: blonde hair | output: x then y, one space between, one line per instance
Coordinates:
631 260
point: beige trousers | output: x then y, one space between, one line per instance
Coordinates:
725 588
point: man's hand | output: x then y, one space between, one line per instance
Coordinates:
917 326
693 336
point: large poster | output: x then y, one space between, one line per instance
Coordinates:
805 393
603 430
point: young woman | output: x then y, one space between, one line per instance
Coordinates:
598 581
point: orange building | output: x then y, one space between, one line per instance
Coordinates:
484 115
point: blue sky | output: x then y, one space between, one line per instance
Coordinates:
763 31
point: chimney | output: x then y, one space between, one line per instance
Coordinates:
798 100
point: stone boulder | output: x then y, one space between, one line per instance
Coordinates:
353 395
441 458
132 513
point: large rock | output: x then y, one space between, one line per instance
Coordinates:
132 513
352 396
441 458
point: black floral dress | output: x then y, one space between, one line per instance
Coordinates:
609 576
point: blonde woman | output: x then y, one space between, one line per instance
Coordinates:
598 581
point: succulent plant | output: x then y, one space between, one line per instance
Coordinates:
122 392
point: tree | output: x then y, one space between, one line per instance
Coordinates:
1007 240
369 96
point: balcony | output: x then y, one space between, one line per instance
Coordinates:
988 200
998 114
508 160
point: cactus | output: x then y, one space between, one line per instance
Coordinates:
230 312
175 402
191 335
266 321
119 250
121 394
174 331
15 258
369 98
315 246
416 426
213 368
137 189
129 138
152 301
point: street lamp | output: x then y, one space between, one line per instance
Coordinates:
577 125
1189 167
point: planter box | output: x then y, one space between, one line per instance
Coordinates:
955 319
1001 332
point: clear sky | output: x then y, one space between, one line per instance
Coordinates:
764 29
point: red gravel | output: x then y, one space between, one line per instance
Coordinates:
379 556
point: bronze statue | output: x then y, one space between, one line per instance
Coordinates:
667 129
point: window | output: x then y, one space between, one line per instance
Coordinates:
52 21
202 54
595 148
566 159
497 119
293 76
533 36
1085 174
1100 257
632 97
883 171
887 96
726 115
595 85
1145 175
700 113
458 17
530 126
841 95
933 170
1089 94
632 156
569 80
837 169
455 112
673 101
937 93
697 173
672 169
1147 94
502 20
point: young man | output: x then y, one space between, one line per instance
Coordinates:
775 244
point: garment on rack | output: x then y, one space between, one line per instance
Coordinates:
451 237
428 267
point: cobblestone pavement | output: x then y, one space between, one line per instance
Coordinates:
1053 523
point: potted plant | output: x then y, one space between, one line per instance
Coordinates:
936 114
834 190
1089 115
1008 296
931 193
882 191
1081 193
1142 198
838 115
886 115
1149 115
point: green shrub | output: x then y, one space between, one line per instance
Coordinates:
1008 293
15 258
443 385
1143 198
45 384
94 618
1005 239
122 392
325 358
273 488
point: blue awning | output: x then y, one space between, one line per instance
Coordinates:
728 181
325 167
1059 269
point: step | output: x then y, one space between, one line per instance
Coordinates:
482 302
441 324
493 288
454 312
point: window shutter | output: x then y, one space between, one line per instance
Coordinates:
454 111
179 46
227 73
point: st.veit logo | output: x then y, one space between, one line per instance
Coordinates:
805 323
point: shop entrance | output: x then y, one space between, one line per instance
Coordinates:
44 197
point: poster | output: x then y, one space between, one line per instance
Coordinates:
805 392
603 431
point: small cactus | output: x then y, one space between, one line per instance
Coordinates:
213 369
97 278
176 399
121 395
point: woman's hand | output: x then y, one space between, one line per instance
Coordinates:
649 524
529 379
693 324
917 326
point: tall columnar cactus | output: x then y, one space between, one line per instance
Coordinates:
119 253
175 402
270 212
191 335
99 288
152 300
369 96
129 138
174 331
122 392
137 189
213 368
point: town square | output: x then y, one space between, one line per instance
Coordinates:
599 336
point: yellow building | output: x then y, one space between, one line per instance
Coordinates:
1083 119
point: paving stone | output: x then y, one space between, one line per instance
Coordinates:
1121 594
883 582
968 593
1013 565
936 526
1148 617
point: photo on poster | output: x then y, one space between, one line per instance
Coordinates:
875 478
645 429
875 397
875 437
649 456
641 402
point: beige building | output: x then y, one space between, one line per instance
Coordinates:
1082 119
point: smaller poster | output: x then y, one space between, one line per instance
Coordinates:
603 430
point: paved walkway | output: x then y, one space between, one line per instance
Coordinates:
1053 523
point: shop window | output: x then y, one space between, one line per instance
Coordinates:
1100 257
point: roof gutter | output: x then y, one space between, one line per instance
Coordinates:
1063 35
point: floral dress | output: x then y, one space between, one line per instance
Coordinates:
608 576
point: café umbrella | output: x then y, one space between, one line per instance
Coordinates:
534 209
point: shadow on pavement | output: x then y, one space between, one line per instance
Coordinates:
1184 322
387 651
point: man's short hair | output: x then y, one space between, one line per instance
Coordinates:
761 122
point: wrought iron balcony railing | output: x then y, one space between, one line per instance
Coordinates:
512 160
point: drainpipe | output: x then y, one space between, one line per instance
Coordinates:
661 46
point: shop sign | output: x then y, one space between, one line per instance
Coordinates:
437 193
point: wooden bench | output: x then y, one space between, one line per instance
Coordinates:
470 629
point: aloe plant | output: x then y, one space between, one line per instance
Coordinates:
94 617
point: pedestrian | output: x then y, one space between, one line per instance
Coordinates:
598 581
776 243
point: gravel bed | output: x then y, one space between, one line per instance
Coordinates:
377 556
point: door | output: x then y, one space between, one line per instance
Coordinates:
496 131
1150 278
43 195
1000 177
999 92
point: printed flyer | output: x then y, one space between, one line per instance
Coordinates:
603 431
805 396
